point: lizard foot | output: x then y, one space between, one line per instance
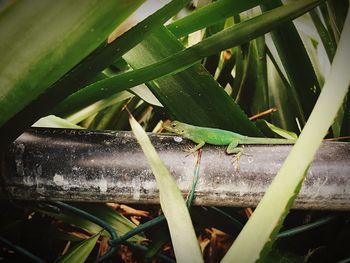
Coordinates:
237 157
190 151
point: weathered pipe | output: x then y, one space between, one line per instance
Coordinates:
81 165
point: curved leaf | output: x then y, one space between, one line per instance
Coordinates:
261 230
42 40
105 15
182 233
53 121
80 252
296 62
181 60
191 96
209 15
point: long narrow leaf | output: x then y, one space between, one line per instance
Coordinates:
108 53
193 89
80 252
42 40
121 224
98 106
53 121
296 62
173 205
209 15
92 32
228 38
261 230
279 90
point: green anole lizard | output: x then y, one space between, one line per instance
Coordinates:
202 135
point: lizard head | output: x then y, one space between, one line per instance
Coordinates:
175 127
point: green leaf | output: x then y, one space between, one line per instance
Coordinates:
80 252
228 38
120 223
32 57
40 42
261 230
193 89
253 93
102 23
209 15
327 41
296 62
259 79
182 233
143 92
109 53
338 11
279 98
211 63
98 106
285 134
53 121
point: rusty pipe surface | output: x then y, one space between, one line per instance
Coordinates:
82 165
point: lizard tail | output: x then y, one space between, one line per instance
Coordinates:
256 140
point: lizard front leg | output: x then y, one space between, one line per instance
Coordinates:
197 147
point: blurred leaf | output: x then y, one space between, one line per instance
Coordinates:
329 23
80 252
55 232
284 256
345 129
338 10
172 203
328 42
160 238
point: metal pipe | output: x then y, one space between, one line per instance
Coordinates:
82 165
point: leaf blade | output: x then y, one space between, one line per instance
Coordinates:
181 60
80 252
262 228
173 205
